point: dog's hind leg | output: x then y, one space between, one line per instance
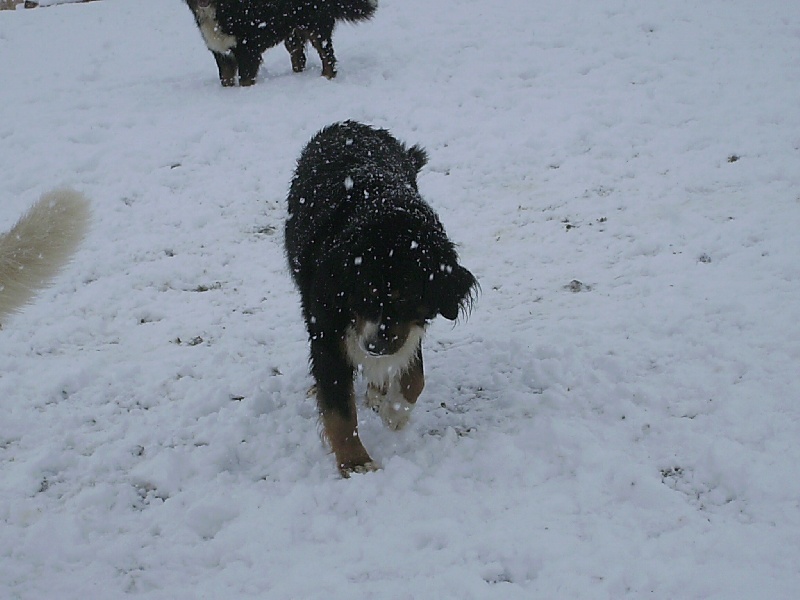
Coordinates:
226 63
323 44
337 409
296 45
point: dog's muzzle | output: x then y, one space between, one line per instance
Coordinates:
384 345
384 339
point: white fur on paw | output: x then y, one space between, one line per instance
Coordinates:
395 412
368 467
374 398
394 409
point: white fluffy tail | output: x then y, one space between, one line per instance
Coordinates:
42 242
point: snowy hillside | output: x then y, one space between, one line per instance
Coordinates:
618 418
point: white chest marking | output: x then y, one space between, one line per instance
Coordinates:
381 370
383 373
215 38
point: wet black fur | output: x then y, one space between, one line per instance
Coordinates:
361 242
261 24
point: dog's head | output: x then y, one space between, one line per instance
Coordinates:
392 311
393 285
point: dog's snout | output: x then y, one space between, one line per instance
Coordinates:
383 343
386 339
377 347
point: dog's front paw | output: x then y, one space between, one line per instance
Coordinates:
358 469
375 397
395 413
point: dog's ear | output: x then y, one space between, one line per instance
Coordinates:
418 157
458 294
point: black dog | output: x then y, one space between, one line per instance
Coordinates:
373 266
239 31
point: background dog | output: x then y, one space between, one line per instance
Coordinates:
42 242
373 266
239 31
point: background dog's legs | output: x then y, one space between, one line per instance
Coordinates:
249 61
296 45
337 409
323 44
226 63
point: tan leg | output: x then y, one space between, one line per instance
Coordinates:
342 434
413 381
324 47
295 44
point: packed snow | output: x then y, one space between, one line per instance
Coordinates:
619 416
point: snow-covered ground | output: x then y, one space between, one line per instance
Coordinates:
618 418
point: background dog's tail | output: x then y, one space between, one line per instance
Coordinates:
42 242
353 10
